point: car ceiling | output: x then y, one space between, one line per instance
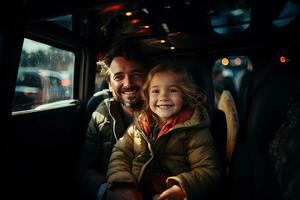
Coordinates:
184 24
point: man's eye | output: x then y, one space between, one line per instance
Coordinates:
137 75
118 78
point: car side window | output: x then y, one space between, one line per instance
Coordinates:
45 75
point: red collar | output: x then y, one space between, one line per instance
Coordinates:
184 115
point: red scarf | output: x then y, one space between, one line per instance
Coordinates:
182 116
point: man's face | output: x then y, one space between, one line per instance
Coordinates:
126 80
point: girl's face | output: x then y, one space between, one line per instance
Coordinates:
165 97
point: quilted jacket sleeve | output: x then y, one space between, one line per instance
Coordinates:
205 174
120 165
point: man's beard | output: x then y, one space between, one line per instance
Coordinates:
131 104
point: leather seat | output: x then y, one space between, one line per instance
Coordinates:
251 174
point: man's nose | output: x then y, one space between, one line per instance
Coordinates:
127 81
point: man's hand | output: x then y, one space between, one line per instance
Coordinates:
124 193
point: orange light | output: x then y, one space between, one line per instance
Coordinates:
172 48
162 41
225 61
282 59
26 94
128 14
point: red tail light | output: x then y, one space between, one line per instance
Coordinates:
65 82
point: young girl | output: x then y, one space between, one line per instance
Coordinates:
168 152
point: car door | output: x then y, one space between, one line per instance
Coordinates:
41 144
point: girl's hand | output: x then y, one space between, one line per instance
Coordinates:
172 193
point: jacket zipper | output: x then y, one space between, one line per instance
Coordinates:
151 154
151 150
114 122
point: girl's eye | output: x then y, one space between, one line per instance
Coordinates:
173 90
154 91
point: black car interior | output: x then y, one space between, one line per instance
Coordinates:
40 149
252 175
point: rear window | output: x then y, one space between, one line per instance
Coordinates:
228 73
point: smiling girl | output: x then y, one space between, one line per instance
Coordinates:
168 152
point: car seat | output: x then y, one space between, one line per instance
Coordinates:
284 150
95 100
267 90
227 104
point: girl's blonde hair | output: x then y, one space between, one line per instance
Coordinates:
192 95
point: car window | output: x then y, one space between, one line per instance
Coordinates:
287 15
45 75
228 73
100 82
231 17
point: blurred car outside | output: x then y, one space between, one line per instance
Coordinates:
36 86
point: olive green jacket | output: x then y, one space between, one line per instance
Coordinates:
105 127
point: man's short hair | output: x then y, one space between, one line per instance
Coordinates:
123 47
127 48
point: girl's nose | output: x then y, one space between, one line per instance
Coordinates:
163 95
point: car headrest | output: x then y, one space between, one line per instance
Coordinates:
269 103
95 100
252 172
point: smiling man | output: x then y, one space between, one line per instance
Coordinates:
125 76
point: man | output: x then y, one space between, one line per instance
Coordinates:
125 76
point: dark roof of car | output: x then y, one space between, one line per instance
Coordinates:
186 25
